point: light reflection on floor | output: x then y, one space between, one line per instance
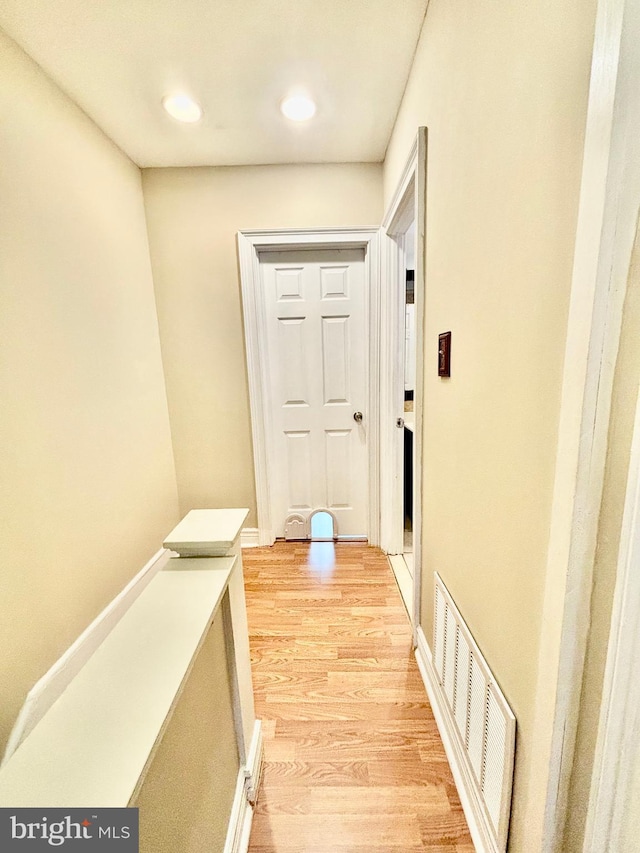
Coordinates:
322 558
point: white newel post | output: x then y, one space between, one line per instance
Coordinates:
216 533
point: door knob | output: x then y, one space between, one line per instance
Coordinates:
357 416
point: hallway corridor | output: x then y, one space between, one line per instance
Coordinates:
353 759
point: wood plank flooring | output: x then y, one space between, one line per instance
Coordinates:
353 759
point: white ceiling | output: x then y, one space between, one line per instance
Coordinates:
238 58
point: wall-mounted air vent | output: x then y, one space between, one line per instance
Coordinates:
482 719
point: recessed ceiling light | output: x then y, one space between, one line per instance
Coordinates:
182 108
298 108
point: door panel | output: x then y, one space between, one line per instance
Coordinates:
299 469
335 360
315 308
339 468
293 360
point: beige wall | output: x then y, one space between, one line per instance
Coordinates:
185 800
87 487
193 216
623 408
503 91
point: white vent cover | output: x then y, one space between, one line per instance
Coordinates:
484 722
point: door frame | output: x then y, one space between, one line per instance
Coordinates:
619 723
606 227
407 204
250 245
619 719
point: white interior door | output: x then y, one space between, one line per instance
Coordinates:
315 312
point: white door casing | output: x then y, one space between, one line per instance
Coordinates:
617 754
606 227
407 205
251 244
315 315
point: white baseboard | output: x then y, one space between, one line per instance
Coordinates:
255 537
239 831
246 795
250 537
404 580
253 767
471 805
52 684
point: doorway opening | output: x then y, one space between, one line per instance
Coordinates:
409 363
403 369
405 524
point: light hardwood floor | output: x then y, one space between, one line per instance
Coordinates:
353 759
